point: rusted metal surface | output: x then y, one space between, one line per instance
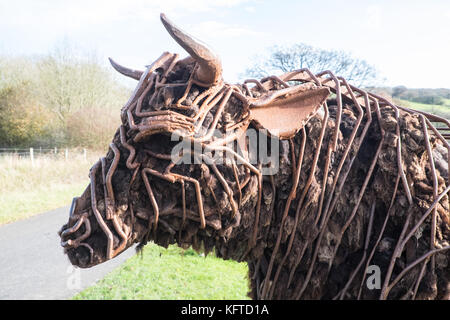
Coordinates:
349 91
134 74
279 103
209 69
294 107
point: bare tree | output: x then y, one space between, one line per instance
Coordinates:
71 80
285 59
66 97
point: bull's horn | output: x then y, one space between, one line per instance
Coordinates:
135 74
210 67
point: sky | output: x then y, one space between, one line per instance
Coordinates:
407 41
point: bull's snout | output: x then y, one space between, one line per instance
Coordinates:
73 234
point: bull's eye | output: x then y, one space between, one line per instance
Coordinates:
159 143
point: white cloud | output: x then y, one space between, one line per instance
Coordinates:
33 26
373 17
78 14
250 9
215 29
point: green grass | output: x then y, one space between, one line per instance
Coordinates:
439 110
172 274
52 182
19 205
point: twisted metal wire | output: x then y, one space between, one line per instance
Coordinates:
217 97
340 87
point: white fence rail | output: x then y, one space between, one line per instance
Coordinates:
32 153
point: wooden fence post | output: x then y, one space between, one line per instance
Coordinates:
32 156
67 154
84 154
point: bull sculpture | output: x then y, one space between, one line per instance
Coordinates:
360 183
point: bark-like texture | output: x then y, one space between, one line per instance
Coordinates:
352 207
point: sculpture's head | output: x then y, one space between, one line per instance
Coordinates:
181 167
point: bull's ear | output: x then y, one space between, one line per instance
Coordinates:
284 112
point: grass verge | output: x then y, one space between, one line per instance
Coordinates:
52 182
439 110
172 274
19 205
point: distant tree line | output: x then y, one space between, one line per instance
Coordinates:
422 95
61 99
427 96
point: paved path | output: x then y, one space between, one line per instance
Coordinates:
33 265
